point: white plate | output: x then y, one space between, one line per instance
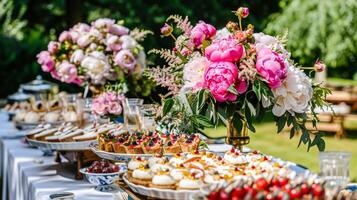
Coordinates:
61 145
117 156
160 193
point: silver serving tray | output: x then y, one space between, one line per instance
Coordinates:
64 146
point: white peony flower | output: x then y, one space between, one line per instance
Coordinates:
128 42
97 66
266 41
193 72
222 33
294 94
77 56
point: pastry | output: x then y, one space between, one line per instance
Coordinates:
142 175
191 181
172 147
20 116
51 117
190 142
152 146
69 136
70 116
42 135
163 180
32 117
135 163
234 157
38 107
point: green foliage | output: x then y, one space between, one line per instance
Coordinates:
324 29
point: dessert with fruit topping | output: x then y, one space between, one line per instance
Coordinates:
190 142
102 167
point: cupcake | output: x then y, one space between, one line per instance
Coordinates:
191 181
235 157
135 163
190 143
163 180
142 175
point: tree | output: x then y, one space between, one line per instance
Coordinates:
324 29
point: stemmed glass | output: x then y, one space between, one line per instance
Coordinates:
132 114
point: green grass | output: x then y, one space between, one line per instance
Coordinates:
341 81
279 145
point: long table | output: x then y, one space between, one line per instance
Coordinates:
28 175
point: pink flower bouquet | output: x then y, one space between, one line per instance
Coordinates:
108 104
234 75
94 54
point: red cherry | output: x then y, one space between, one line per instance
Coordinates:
287 188
261 184
233 150
238 193
213 195
317 190
223 195
305 189
275 182
295 193
283 181
265 158
219 158
269 196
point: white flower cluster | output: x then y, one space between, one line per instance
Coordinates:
294 94
266 41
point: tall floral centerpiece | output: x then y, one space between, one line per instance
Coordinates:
92 55
234 76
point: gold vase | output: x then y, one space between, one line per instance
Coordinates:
235 137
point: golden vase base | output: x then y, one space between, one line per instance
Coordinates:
237 138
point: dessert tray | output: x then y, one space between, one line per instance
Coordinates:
116 156
25 125
160 193
62 146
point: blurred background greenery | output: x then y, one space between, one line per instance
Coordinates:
324 29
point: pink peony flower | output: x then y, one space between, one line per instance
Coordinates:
219 77
125 59
114 43
115 108
45 60
118 30
67 72
65 35
99 107
243 12
225 49
53 47
84 40
271 66
110 96
201 32
55 75
104 23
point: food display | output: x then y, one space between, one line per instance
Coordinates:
67 136
46 112
192 170
147 142
68 132
274 187
17 106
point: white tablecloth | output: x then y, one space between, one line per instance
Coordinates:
27 175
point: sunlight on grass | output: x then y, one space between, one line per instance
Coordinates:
279 145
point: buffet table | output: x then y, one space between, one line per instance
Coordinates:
27 174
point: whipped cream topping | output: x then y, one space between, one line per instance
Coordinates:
142 174
164 179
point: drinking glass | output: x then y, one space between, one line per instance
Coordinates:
132 113
334 168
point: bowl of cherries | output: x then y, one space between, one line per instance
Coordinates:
103 172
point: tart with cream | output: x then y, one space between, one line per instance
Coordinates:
235 157
190 142
141 175
172 147
191 181
163 180
152 146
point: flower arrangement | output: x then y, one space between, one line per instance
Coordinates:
234 76
108 104
94 54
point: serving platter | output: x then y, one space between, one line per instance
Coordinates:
25 126
122 157
61 146
160 193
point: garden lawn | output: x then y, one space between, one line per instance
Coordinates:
279 145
